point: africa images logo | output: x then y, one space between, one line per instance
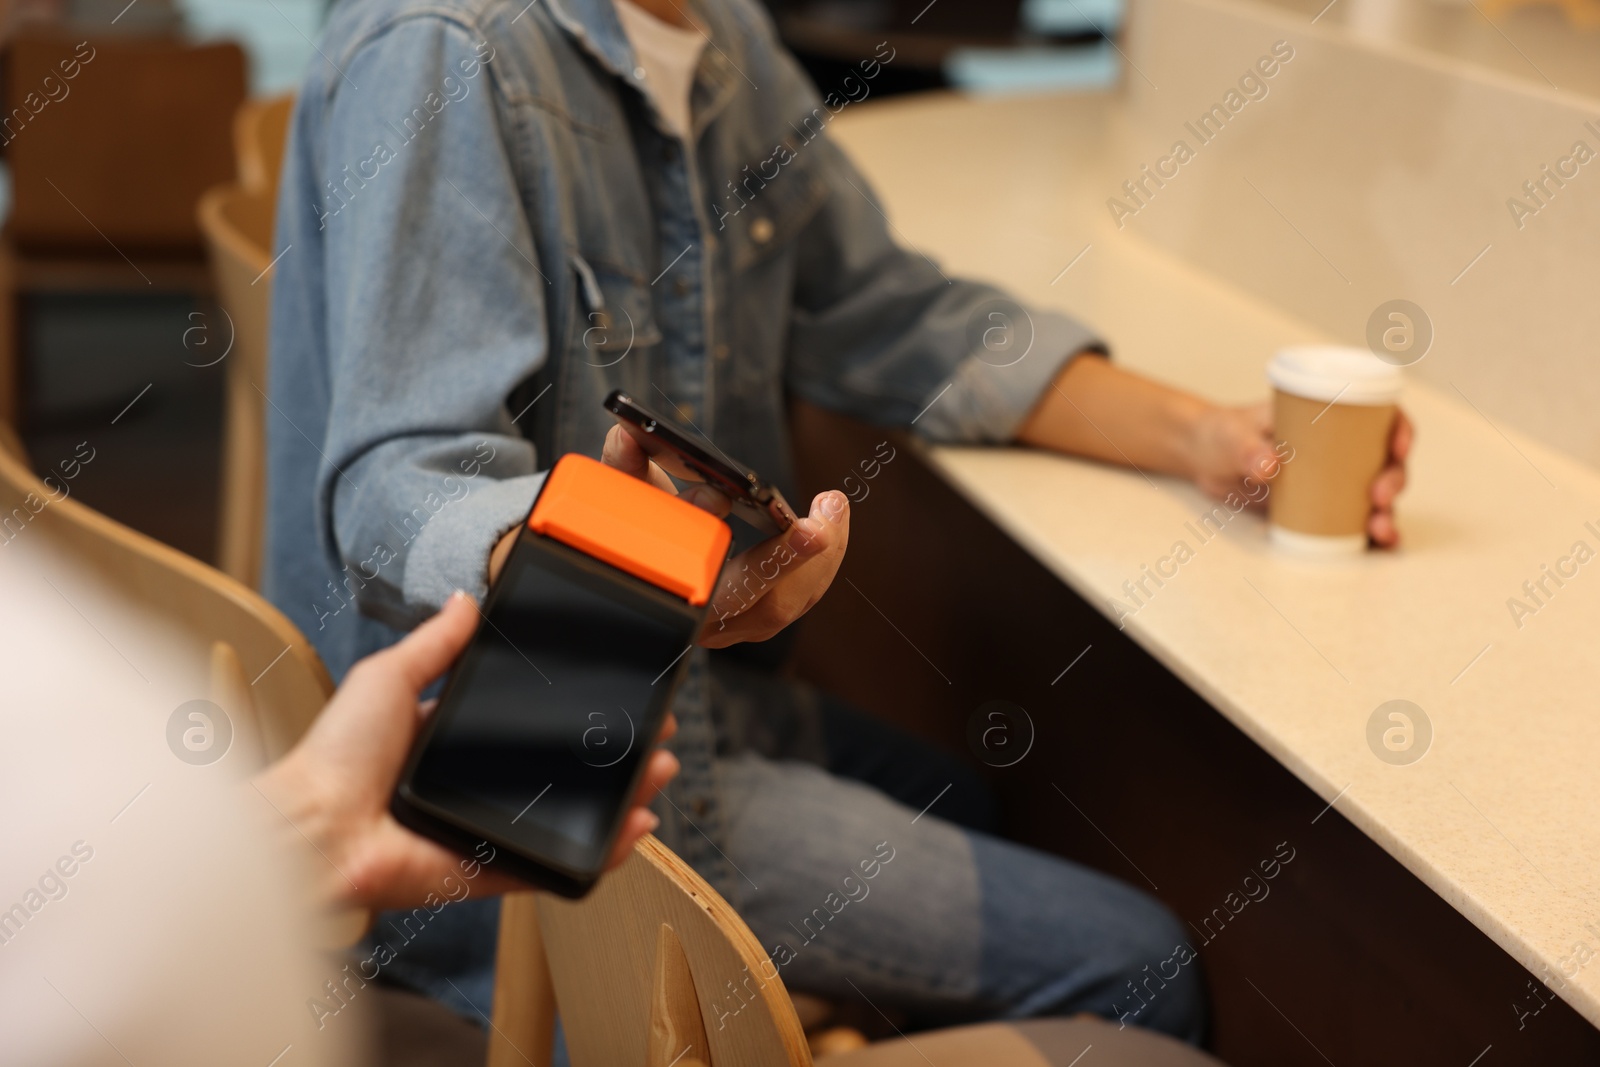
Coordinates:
199 732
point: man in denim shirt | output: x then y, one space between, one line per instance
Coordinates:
486 225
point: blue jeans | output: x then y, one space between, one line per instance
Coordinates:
857 896
958 925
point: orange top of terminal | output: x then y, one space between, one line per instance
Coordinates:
632 525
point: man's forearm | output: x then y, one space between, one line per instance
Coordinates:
1101 411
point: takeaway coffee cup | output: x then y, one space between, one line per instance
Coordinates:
1335 407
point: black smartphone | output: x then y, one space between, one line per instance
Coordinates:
542 731
757 502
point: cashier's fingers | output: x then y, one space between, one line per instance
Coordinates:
640 820
669 729
427 652
771 585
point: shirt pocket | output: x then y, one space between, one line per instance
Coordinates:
612 341
776 196
615 317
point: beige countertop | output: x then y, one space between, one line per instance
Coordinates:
1497 816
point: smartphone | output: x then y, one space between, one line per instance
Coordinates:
757 502
544 726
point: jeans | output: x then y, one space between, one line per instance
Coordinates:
951 925
959 925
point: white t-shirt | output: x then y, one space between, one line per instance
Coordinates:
668 56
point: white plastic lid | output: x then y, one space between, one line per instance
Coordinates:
1335 372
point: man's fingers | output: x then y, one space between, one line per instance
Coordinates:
1260 416
751 575
657 450
427 652
1261 461
1401 437
830 518
707 499
1382 529
1387 485
770 586
639 821
624 452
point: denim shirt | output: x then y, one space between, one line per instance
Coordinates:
484 228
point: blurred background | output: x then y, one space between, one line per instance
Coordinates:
109 322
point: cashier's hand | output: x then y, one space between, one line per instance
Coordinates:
1233 452
764 588
334 786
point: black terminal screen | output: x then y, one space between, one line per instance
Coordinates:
542 726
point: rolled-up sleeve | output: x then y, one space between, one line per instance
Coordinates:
880 332
436 313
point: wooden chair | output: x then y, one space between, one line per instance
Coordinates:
237 223
260 135
263 672
649 969
283 677
105 180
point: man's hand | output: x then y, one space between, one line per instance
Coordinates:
334 786
765 588
762 589
1232 444
1101 411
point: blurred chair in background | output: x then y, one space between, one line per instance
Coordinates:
237 220
260 133
264 672
105 175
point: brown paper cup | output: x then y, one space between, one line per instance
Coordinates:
1335 408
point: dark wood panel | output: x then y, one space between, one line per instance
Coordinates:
1347 959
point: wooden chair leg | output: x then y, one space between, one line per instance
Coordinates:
523 1032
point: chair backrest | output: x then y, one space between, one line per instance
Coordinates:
119 151
652 968
264 659
237 224
260 134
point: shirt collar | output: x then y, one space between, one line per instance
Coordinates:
595 26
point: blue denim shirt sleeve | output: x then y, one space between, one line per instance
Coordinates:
424 469
881 333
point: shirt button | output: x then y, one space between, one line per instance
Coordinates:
761 230
681 286
700 805
721 352
638 73
669 151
